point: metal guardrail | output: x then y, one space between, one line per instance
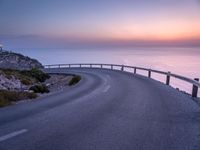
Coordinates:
195 82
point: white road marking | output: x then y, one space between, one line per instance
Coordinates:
13 134
105 84
106 88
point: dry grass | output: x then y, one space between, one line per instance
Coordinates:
7 97
27 77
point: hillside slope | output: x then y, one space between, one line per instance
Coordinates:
11 60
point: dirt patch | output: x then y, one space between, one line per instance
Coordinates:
58 82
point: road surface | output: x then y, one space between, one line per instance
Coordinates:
106 110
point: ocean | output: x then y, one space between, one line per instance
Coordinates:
179 60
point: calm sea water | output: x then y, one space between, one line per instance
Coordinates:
183 61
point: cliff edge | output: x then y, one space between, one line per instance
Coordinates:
12 60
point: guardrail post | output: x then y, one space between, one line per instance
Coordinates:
122 69
149 73
80 65
101 66
58 66
135 70
69 65
112 67
195 89
168 78
90 65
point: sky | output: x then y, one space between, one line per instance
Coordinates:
62 23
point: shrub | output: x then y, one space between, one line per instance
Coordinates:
39 89
4 102
27 77
37 74
74 80
26 81
7 97
8 73
32 96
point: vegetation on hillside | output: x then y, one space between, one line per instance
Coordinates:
33 79
36 73
39 89
75 80
8 97
27 77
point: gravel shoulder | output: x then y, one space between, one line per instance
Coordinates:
58 82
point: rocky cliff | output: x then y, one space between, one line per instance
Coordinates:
11 60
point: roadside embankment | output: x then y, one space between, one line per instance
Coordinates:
16 85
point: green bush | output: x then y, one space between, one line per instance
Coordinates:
74 80
26 81
7 97
27 77
37 74
39 89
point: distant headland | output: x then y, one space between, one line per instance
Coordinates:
12 60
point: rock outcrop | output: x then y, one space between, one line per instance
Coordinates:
11 60
10 83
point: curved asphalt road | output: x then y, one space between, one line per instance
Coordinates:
106 110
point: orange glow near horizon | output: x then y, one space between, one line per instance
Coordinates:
160 30
156 30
